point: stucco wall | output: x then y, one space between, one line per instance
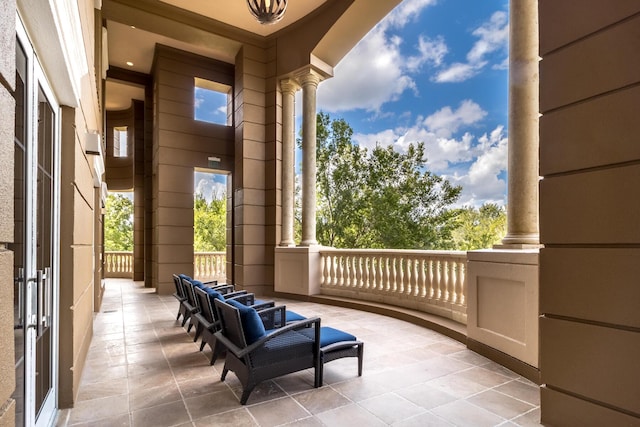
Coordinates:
589 210
7 111
180 145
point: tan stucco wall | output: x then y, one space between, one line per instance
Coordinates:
7 111
180 145
256 173
589 210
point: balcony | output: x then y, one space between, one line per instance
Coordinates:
143 369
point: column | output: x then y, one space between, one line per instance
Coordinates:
309 83
522 206
288 87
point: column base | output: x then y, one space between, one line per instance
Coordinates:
520 241
297 270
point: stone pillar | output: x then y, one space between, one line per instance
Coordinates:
522 207
309 82
288 87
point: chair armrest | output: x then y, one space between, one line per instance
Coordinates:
210 282
223 289
268 316
264 305
241 352
301 324
242 297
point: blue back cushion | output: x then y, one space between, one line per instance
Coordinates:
251 322
197 284
213 295
184 276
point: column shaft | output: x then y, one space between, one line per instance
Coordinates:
289 88
523 176
309 83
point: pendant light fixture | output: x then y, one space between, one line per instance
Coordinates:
267 11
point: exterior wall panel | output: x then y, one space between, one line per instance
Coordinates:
589 336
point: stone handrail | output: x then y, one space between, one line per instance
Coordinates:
210 266
429 281
118 264
206 265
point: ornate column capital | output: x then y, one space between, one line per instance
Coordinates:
309 77
289 85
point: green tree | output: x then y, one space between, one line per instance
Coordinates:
378 198
209 224
118 223
480 228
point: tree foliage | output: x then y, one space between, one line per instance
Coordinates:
118 223
209 224
480 228
378 198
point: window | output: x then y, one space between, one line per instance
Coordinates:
212 102
120 141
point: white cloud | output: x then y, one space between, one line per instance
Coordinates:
482 182
492 36
445 122
430 51
407 10
375 71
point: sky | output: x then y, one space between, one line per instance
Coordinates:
433 71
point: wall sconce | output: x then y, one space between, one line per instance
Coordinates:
93 144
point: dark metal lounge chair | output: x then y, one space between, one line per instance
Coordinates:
255 356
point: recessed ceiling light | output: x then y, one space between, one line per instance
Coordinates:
130 64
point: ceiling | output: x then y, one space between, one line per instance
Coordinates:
132 38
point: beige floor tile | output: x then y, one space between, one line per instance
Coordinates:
500 404
392 408
321 400
236 418
143 368
350 416
426 396
278 412
463 413
530 393
154 396
169 414
424 420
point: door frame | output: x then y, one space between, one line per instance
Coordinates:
36 79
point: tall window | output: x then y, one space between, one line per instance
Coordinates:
212 102
120 141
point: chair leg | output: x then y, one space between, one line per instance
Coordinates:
199 329
189 327
202 344
225 371
184 320
245 395
360 357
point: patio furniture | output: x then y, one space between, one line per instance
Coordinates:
187 304
203 323
336 344
255 356
181 297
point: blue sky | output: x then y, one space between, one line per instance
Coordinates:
434 71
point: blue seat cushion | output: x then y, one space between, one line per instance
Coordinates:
251 323
289 316
329 335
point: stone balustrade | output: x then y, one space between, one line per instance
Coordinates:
210 266
118 264
429 281
206 265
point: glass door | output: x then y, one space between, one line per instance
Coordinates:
35 253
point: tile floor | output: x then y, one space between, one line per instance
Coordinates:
143 369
